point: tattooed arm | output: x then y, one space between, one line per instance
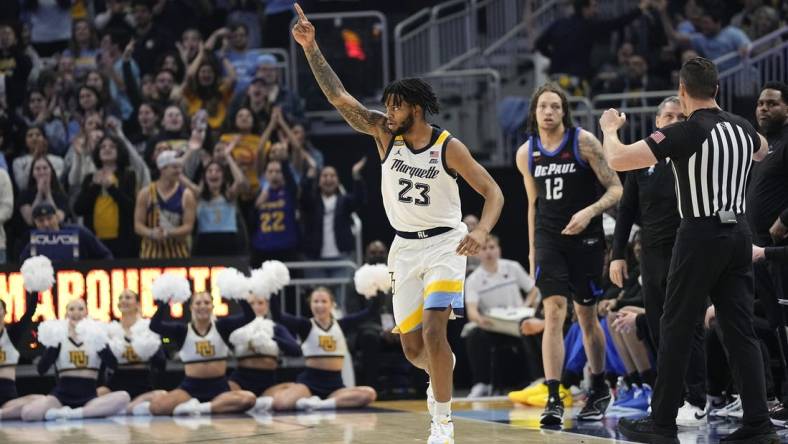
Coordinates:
591 152
355 114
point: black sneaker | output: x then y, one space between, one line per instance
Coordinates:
779 415
752 435
596 405
553 414
644 430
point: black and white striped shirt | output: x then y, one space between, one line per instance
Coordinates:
711 154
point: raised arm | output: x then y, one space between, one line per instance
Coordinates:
531 194
591 151
355 114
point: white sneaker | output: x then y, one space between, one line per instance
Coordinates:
727 410
690 416
480 390
441 431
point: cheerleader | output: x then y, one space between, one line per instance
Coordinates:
138 351
204 350
77 347
13 336
320 385
257 344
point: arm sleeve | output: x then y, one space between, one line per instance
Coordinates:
352 321
778 254
627 211
676 141
16 331
47 359
176 331
287 343
295 324
87 196
543 42
358 197
108 358
95 248
605 27
229 324
524 280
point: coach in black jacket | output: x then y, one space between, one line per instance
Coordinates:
321 200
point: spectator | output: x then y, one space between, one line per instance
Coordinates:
112 62
220 232
745 18
568 41
83 47
275 232
164 212
174 132
471 221
297 136
163 88
150 39
116 17
39 111
148 115
249 13
15 66
6 210
43 186
171 61
497 283
37 146
89 102
635 79
47 220
78 161
51 25
243 58
274 91
98 81
247 146
204 88
106 198
189 46
35 59
327 216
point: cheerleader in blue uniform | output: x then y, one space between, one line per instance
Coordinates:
139 353
257 345
77 347
324 346
204 350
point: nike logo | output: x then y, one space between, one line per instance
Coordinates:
700 416
587 301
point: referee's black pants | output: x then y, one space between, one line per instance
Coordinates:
709 260
654 267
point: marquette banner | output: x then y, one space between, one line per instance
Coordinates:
101 282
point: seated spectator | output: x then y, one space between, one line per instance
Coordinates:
497 283
37 146
6 209
43 186
86 246
220 232
273 220
326 213
83 47
41 112
204 88
165 211
106 198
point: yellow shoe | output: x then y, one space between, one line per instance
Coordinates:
540 399
522 396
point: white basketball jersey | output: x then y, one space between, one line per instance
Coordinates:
196 348
75 356
9 355
324 343
418 190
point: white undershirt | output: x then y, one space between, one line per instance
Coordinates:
329 247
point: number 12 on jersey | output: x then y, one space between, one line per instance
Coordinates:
554 187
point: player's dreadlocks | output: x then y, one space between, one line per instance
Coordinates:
532 127
414 92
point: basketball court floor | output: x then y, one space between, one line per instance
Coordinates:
489 421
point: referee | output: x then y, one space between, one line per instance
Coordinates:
711 154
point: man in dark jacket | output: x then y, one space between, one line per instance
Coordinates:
61 243
327 215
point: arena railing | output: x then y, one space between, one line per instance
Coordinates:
640 119
766 60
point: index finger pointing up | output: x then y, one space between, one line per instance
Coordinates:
300 12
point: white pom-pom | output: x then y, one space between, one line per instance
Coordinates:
115 330
38 274
232 284
240 340
117 345
370 279
51 333
262 337
170 287
277 273
260 284
93 334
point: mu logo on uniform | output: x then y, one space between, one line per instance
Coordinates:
204 348
79 358
130 355
327 343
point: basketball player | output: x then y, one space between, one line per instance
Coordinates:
427 260
565 172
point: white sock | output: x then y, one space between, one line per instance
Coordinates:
326 404
442 409
73 413
307 403
54 413
204 408
186 408
141 409
263 403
